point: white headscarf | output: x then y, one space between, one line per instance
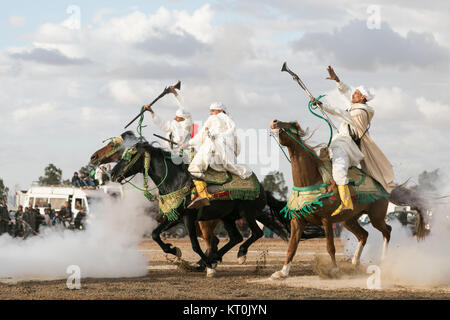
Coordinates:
218 106
182 113
365 92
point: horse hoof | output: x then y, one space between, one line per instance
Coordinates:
210 273
278 276
178 252
334 272
242 260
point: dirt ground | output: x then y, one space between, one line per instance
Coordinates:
233 281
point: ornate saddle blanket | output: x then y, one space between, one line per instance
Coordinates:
305 201
221 185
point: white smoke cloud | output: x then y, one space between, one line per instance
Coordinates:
409 262
108 248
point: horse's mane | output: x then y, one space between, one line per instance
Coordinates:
306 135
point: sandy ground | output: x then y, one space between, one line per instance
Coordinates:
233 281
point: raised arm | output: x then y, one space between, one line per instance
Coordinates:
342 87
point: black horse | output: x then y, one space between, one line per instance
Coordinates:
171 177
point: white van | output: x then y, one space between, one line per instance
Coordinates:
56 196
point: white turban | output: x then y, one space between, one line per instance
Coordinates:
182 113
217 106
365 92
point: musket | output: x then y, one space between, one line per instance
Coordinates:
302 85
165 92
165 139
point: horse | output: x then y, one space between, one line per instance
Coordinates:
113 151
305 172
172 177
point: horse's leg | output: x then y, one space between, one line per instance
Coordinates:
190 222
377 214
297 227
353 226
234 235
205 229
207 232
156 236
328 228
256 234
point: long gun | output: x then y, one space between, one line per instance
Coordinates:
302 85
165 92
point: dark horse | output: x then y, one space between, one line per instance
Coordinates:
171 177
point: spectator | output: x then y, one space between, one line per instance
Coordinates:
76 181
57 219
403 217
47 218
4 218
18 228
67 211
86 181
19 213
79 219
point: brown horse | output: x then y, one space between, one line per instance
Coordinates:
112 152
305 172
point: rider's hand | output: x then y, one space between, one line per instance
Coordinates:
332 74
148 108
317 102
172 90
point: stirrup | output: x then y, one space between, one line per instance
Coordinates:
198 203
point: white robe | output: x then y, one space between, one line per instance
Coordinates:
344 152
375 163
179 132
218 148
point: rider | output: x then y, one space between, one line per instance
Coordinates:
218 147
179 129
353 133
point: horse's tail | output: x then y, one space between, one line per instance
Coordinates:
273 219
403 196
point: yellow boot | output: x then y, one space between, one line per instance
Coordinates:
203 196
346 200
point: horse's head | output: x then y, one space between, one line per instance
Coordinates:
131 162
287 132
114 149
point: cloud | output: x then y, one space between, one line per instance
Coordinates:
17 21
356 47
48 56
178 45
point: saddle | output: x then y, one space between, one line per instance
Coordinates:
221 185
228 186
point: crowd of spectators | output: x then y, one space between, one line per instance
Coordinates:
27 222
97 177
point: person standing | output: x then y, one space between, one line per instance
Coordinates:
4 218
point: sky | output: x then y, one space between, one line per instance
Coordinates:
74 73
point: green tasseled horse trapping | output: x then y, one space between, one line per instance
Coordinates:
307 200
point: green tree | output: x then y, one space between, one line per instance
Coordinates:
275 183
52 176
3 191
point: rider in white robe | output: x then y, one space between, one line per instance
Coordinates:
178 130
217 147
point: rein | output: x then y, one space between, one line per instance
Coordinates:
146 191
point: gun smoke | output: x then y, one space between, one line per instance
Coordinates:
108 248
409 262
